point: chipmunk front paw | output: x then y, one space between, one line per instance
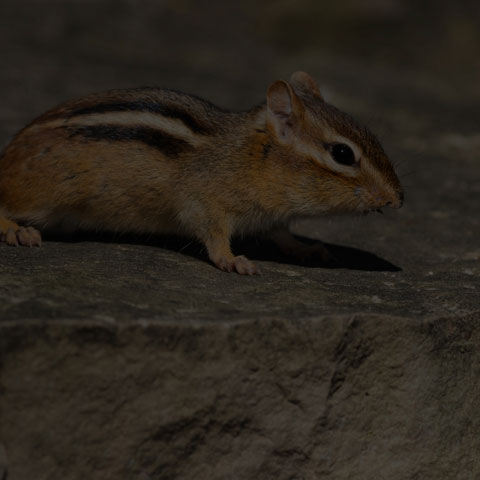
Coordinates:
240 264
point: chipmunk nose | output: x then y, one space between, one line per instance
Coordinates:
389 198
397 202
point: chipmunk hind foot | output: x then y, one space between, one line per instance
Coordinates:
291 247
14 235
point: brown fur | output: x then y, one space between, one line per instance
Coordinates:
214 174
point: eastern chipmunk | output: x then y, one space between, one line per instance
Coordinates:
153 160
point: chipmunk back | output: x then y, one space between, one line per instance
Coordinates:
153 160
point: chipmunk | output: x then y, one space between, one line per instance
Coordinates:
152 160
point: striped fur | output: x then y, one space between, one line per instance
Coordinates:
141 106
152 137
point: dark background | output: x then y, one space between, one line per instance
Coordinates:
229 51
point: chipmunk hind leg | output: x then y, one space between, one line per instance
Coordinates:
292 247
214 231
13 234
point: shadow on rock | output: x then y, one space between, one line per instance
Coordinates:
254 248
343 257
356 259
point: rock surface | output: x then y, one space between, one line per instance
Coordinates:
357 396
135 358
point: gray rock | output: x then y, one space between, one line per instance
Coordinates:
358 396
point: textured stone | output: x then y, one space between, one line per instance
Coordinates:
359 396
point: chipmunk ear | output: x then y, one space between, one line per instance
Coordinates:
284 109
304 82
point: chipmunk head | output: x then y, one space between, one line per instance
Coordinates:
338 162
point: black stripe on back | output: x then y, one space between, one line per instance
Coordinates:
162 141
138 106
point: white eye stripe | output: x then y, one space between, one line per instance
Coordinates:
324 158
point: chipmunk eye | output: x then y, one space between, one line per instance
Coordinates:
342 153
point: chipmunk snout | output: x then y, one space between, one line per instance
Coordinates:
380 198
397 202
